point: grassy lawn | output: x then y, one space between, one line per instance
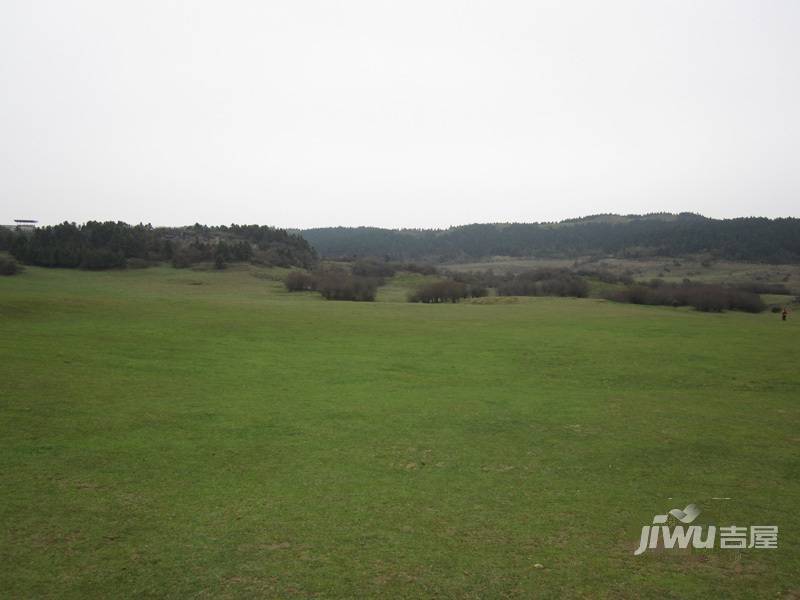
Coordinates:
173 433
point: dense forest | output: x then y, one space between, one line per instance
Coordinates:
100 245
746 239
104 245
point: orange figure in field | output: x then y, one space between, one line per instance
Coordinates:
784 314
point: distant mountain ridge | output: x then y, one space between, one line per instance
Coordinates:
658 234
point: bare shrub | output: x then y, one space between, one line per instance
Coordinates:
138 263
544 282
757 287
704 297
338 284
300 281
373 268
437 292
9 266
422 269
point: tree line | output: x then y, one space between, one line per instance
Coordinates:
633 236
108 245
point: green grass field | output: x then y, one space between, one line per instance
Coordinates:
174 433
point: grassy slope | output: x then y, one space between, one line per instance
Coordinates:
180 433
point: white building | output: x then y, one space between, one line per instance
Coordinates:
25 224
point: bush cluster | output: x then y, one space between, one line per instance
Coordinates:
138 263
334 284
101 258
437 292
300 281
421 269
185 256
340 285
359 283
544 282
704 297
532 282
606 276
8 266
371 267
758 287
477 279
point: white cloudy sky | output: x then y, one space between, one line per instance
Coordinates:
303 113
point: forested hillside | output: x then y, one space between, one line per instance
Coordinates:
747 239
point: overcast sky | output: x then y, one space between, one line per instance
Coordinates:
397 114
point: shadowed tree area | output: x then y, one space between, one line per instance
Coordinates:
633 236
108 245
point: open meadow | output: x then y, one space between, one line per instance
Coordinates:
183 433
